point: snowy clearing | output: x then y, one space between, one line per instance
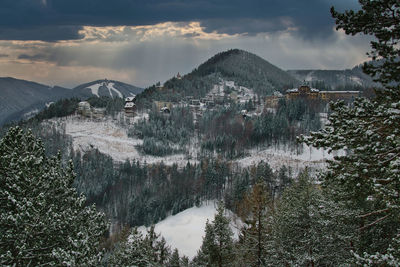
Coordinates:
112 139
186 229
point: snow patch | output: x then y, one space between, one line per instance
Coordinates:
111 87
185 230
95 88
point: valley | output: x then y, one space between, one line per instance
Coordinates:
179 148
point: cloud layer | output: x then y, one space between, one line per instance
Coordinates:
51 20
141 42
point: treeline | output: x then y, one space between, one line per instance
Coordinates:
140 194
228 132
321 85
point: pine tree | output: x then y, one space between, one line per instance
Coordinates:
369 174
43 221
132 252
174 260
217 247
256 212
309 229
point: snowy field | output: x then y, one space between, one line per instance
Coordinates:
186 229
112 139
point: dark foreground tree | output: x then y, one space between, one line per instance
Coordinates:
43 221
133 251
217 247
256 211
309 229
368 176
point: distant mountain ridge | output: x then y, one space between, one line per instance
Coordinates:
335 78
20 98
106 87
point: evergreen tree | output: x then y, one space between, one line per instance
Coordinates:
256 212
133 251
217 247
43 221
309 229
174 260
369 174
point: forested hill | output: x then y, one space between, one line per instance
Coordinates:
247 70
244 68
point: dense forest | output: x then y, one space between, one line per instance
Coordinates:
225 130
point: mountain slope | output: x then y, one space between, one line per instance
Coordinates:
242 67
247 70
334 79
20 97
106 88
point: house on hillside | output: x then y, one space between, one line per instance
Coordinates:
306 92
165 110
130 99
161 104
84 109
303 91
130 106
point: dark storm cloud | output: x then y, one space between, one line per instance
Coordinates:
52 20
47 33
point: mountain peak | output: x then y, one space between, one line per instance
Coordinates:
248 70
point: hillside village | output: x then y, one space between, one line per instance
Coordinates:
225 93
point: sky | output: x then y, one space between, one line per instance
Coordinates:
141 42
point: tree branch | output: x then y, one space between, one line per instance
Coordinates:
373 223
373 213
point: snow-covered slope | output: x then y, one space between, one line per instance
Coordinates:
112 139
106 88
186 229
